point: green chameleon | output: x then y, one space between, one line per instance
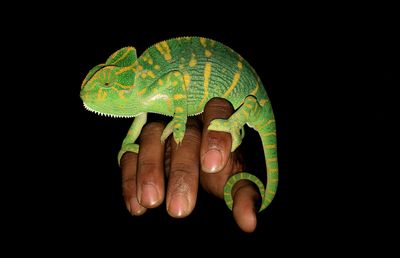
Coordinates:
176 78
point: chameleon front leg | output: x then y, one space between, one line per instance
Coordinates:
178 94
128 143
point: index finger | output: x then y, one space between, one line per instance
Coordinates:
215 146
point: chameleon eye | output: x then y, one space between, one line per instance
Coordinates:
107 84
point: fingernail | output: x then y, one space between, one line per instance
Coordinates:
178 206
134 207
149 196
211 161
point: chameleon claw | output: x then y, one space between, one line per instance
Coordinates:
179 133
175 128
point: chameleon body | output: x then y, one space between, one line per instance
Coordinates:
176 78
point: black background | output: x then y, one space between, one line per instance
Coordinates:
327 75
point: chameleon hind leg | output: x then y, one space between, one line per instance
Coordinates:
250 110
177 125
234 124
128 143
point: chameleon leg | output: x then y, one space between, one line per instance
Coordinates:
234 125
262 119
177 125
134 131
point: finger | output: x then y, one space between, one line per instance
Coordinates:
150 176
129 169
245 197
215 146
214 182
184 172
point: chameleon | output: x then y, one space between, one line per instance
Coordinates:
176 78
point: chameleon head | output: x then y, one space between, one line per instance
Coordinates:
107 87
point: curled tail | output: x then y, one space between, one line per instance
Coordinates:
263 121
268 192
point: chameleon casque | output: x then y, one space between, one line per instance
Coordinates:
176 78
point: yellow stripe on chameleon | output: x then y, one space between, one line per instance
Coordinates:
151 74
164 50
178 109
140 93
167 54
272 170
240 65
177 73
193 60
186 79
267 134
174 83
272 159
160 82
203 41
263 101
266 124
269 146
123 69
121 94
169 103
157 67
179 96
207 73
123 86
207 53
123 55
254 92
101 95
267 199
160 49
236 78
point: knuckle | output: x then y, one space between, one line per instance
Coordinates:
182 168
219 106
153 128
181 181
192 135
149 167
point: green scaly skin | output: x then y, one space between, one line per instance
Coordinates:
176 78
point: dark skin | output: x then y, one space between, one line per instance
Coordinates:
203 155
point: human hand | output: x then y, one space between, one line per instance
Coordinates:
203 155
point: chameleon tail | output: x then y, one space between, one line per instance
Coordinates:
271 159
267 131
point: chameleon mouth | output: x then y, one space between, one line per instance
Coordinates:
104 114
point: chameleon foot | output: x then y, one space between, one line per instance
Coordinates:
175 127
132 147
228 126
